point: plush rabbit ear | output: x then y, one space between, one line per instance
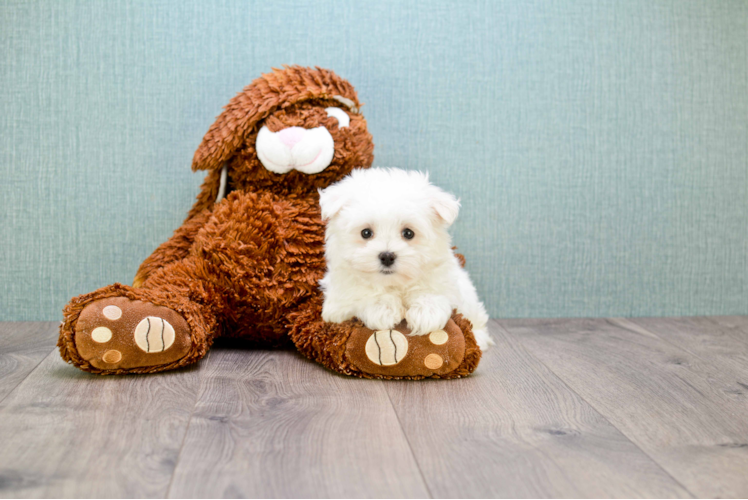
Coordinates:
226 134
445 205
261 98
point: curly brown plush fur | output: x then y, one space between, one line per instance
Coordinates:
248 266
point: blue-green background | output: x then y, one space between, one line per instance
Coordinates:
600 148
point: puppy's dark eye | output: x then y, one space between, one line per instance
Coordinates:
408 233
366 234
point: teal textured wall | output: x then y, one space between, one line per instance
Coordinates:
600 147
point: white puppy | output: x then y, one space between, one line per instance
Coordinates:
389 255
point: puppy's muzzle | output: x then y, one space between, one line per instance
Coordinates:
387 258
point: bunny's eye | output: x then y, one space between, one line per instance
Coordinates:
343 119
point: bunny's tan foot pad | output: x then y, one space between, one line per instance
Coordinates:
396 353
119 333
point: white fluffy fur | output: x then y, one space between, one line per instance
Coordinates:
426 281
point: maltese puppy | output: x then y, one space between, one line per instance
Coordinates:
389 255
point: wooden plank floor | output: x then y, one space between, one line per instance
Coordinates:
650 407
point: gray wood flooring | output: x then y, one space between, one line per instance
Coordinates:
647 407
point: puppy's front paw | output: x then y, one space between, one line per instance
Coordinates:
384 314
428 313
332 313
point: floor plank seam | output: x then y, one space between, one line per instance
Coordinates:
725 329
407 441
27 375
625 324
596 410
187 429
621 323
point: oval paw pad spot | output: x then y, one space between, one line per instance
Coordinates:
101 334
112 312
154 334
433 361
386 347
112 357
438 337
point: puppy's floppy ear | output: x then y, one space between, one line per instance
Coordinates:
446 205
332 200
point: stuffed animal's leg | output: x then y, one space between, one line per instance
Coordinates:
169 323
172 250
178 246
352 349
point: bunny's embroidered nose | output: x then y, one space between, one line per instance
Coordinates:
290 136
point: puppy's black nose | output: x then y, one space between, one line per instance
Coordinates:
387 258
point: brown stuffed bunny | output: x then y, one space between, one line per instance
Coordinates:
247 260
